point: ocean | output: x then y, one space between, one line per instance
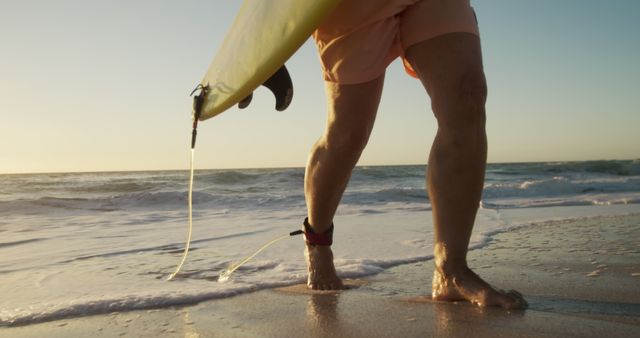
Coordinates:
76 244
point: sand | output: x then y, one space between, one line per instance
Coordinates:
581 278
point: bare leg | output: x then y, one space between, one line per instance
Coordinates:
450 68
352 112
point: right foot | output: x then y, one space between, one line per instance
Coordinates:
468 286
322 272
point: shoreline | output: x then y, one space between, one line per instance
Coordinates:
580 277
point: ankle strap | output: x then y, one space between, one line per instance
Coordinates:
312 238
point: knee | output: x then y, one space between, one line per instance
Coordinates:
460 106
348 145
473 96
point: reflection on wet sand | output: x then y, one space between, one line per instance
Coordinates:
322 310
449 316
190 330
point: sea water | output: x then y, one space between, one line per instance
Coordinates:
74 244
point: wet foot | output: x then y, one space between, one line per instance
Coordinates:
467 286
322 272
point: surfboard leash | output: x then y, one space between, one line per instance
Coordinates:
198 101
281 86
310 237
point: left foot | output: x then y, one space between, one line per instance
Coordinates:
322 272
468 286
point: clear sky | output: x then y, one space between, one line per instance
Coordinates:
103 85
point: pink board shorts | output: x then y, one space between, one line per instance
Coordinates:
360 38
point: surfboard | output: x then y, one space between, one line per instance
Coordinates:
263 36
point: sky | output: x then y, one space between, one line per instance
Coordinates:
104 86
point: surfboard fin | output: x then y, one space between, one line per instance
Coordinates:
280 85
245 102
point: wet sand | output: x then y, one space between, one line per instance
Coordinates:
581 278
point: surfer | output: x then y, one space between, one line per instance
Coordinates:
439 44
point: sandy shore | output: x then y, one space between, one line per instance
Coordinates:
581 278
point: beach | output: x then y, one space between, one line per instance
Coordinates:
581 278
89 254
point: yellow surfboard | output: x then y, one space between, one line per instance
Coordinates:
264 35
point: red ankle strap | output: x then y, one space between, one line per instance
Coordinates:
312 238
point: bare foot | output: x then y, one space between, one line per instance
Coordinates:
322 272
468 286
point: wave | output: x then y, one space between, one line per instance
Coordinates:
109 305
167 200
541 183
613 167
229 177
386 195
567 202
120 202
390 172
560 185
557 191
112 187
